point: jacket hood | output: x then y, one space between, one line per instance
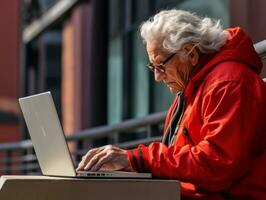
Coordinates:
239 47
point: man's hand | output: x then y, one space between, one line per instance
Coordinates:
106 158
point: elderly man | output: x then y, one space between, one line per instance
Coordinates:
214 136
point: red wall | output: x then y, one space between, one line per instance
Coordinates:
9 64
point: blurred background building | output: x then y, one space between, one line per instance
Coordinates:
89 55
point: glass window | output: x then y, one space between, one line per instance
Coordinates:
115 81
140 79
218 9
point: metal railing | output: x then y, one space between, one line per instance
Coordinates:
260 48
19 157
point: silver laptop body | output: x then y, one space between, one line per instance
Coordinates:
49 141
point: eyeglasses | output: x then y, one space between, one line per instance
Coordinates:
160 67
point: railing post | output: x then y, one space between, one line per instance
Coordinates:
114 138
153 130
79 148
8 163
29 151
149 131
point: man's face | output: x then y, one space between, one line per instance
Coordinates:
172 75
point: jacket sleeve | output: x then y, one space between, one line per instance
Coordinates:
221 156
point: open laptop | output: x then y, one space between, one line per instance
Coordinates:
49 141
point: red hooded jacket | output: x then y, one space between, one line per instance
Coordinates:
219 148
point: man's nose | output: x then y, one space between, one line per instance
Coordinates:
158 75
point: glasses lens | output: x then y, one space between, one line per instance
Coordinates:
159 67
150 66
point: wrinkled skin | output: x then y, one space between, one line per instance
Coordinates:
106 158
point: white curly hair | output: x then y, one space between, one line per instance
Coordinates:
171 29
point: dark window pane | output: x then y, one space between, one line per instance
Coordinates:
166 4
141 10
116 8
50 65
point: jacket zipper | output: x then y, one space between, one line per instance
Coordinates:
186 133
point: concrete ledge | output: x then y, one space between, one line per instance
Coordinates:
51 188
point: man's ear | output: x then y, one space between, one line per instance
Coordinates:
193 54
